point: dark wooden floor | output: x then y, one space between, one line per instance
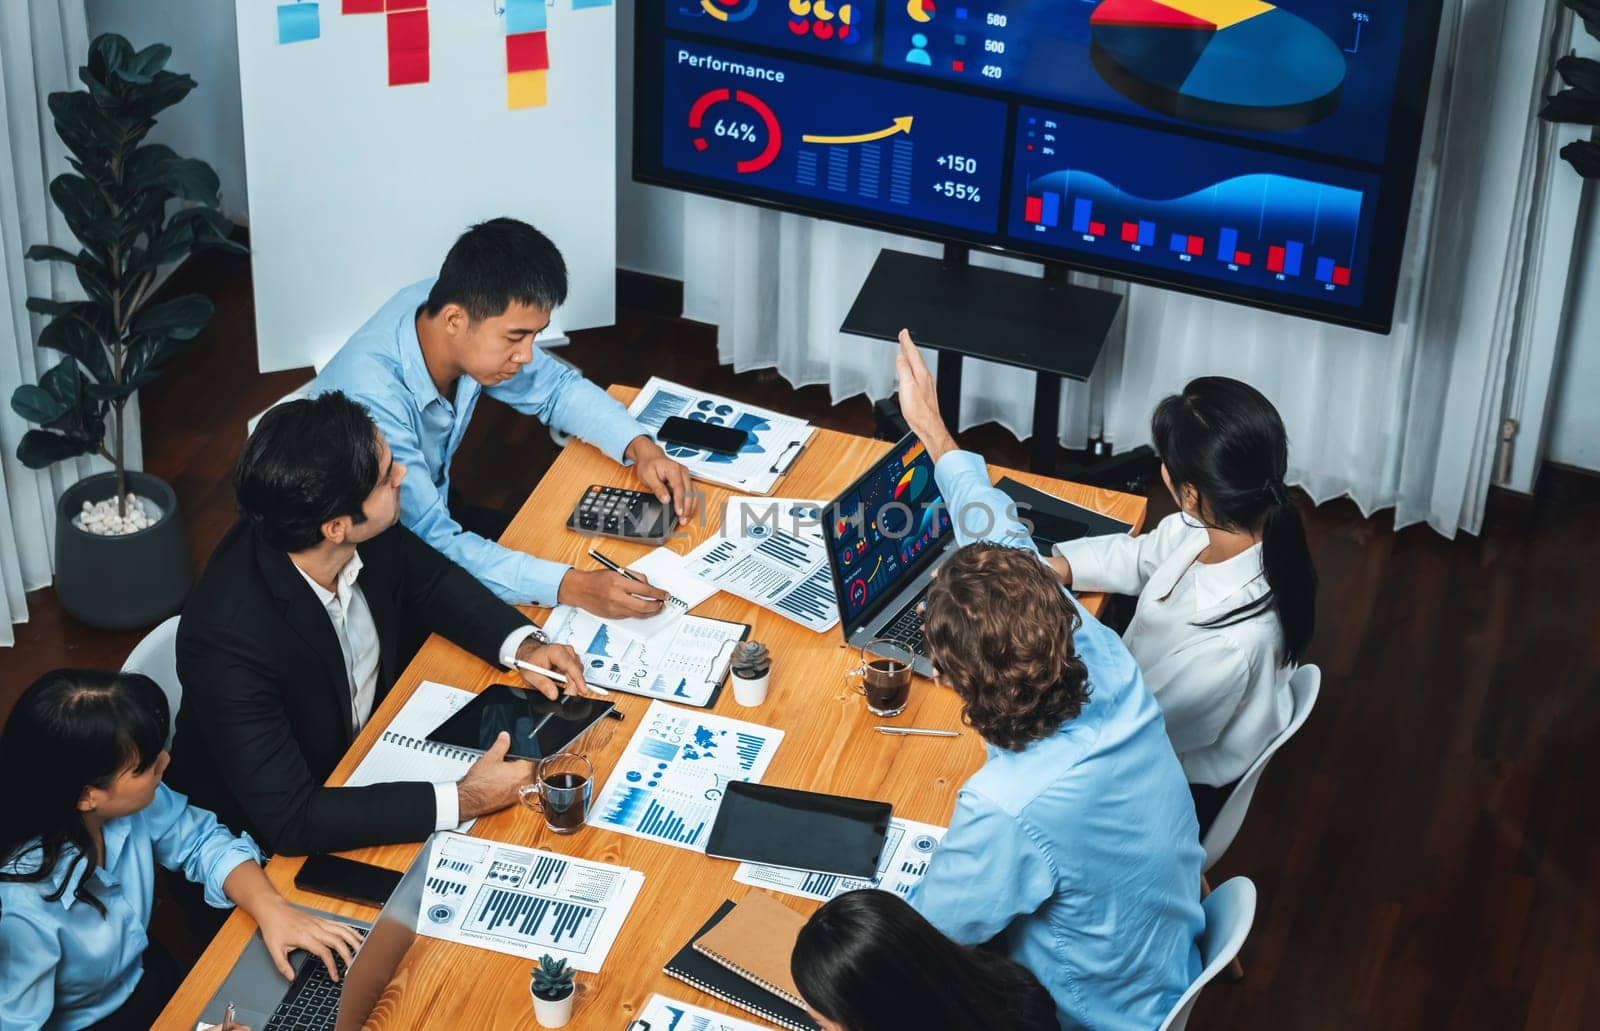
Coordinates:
1426 850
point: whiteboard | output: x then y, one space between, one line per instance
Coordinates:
358 188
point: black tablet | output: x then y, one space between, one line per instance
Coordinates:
538 726
800 829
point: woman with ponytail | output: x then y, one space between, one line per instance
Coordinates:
84 820
1226 587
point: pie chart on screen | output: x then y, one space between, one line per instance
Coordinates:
1239 64
912 483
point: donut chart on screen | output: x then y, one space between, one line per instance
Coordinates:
1240 64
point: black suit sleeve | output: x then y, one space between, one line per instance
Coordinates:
235 690
452 602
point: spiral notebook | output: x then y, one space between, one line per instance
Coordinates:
756 941
403 751
711 977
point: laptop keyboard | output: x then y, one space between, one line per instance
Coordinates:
906 628
312 1002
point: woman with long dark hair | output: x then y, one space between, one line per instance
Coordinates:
84 818
867 961
1227 590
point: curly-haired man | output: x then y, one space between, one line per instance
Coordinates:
1075 846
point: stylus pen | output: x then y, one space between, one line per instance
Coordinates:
557 677
922 731
631 576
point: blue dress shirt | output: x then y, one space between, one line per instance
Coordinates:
1081 852
62 964
382 367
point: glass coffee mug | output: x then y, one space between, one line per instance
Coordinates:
885 672
562 789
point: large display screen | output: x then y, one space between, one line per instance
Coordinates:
1258 152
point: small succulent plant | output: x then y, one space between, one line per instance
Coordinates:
552 979
751 660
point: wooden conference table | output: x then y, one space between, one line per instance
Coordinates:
828 745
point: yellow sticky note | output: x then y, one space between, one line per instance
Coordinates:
525 89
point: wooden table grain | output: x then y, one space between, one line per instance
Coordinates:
828 745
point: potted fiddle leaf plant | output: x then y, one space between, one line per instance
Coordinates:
121 558
553 991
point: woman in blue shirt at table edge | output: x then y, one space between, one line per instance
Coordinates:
83 821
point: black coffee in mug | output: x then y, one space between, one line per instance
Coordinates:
566 801
887 685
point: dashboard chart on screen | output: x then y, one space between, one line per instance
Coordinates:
1259 152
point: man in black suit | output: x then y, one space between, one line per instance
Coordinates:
290 641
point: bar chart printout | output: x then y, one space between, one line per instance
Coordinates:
906 851
669 782
524 902
663 1014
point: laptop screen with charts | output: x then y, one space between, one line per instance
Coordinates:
884 533
256 989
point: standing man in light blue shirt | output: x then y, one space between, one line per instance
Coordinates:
419 366
1075 846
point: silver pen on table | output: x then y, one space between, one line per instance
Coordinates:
920 731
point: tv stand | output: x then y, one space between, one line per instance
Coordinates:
1045 325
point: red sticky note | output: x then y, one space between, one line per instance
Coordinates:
406 5
408 67
362 7
408 30
527 52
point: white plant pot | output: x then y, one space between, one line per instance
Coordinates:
553 1014
750 693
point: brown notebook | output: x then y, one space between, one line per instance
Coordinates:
755 941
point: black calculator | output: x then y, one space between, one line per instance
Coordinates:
629 515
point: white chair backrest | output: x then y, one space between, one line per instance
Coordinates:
1304 685
1230 910
157 658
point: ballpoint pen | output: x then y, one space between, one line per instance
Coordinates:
674 602
557 677
920 731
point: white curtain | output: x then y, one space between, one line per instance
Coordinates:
42 44
1406 421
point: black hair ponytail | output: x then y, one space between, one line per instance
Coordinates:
1224 439
71 729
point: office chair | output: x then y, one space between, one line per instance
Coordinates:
157 658
1230 910
1304 684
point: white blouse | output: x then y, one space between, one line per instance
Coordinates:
1222 690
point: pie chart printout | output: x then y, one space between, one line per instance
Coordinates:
1241 64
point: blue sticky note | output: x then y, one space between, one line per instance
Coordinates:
578 5
298 23
524 16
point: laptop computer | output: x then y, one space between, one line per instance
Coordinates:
263 1001
885 533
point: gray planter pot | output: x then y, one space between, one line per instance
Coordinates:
127 582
